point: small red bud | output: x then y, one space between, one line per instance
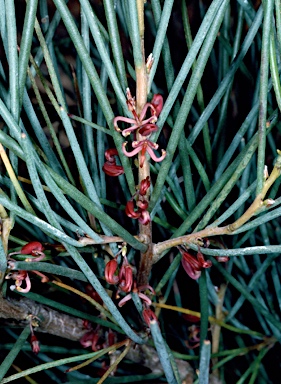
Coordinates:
109 272
31 248
34 342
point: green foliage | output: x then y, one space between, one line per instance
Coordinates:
65 69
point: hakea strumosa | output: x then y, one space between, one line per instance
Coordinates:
142 125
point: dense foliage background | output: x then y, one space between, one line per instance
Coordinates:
64 71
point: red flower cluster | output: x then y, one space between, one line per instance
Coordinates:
35 249
142 204
110 167
193 265
144 126
123 277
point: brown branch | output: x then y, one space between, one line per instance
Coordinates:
71 328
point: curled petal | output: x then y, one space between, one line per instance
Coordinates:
133 152
128 131
40 256
144 218
144 110
110 154
111 169
154 157
44 278
144 185
124 119
145 298
130 211
157 102
124 300
109 272
142 204
147 287
27 282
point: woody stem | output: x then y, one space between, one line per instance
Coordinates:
144 171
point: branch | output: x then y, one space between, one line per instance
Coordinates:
254 209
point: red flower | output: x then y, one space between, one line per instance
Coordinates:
110 167
144 185
34 342
19 277
157 102
32 248
147 129
144 146
110 154
109 272
193 266
139 121
141 214
125 276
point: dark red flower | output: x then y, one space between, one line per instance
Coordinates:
34 342
110 154
110 167
141 214
125 276
90 339
32 248
130 210
144 185
110 270
193 266
147 129
157 102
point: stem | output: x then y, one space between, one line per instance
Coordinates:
145 231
